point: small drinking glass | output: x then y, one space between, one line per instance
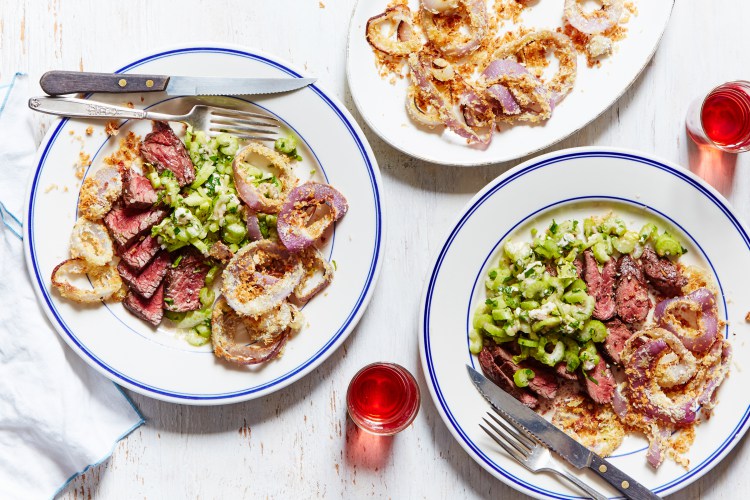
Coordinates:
383 398
722 118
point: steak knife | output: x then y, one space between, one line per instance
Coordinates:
529 422
72 82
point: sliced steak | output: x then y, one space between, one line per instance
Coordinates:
601 285
579 267
600 384
149 310
544 382
165 151
493 372
631 297
137 191
146 282
184 282
662 274
126 225
617 333
141 253
562 371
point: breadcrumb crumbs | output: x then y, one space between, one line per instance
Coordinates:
51 187
112 127
89 130
321 5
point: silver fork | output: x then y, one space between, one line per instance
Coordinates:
530 453
212 119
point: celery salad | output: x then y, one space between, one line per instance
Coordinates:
538 300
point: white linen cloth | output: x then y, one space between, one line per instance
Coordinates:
58 416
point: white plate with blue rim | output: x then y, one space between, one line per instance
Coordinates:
572 184
381 101
158 362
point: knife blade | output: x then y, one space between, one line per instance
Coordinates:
529 422
71 82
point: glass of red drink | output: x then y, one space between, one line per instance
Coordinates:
722 118
383 398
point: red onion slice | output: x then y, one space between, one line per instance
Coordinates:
507 102
476 111
264 197
318 275
656 446
692 318
253 227
716 374
294 225
596 21
244 286
407 40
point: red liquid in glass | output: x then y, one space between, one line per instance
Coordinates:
725 116
383 398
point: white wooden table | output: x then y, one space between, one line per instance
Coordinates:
297 443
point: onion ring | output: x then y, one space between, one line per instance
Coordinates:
439 6
105 280
448 43
90 241
253 227
244 286
692 318
407 39
267 334
477 111
597 21
562 82
293 223
513 86
264 197
424 115
313 261
99 192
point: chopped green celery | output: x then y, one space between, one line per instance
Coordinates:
600 252
589 226
195 339
153 176
547 248
522 377
503 314
667 245
285 144
204 172
567 272
228 144
204 330
546 323
234 247
648 232
176 246
194 199
550 358
572 361
595 330
201 246
626 243
207 297
480 318
211 275
553 227
496 277
174 316
578 285
535 289
234 233
527 342
528 305
475 342
493 329
573 254
194 318
613 225
578 297
589 356
517 252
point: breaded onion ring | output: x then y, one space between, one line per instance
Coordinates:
105 279
264 197
99 192
595 22
451 42
439 6
407 39
298 224
419 111
318 275
266 335
562 82
90 241
246 284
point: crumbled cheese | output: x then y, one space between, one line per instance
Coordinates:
543 312
599 46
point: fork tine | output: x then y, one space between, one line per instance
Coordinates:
212 133
523 438
508 439
235 113
235 129
241 123
511 451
